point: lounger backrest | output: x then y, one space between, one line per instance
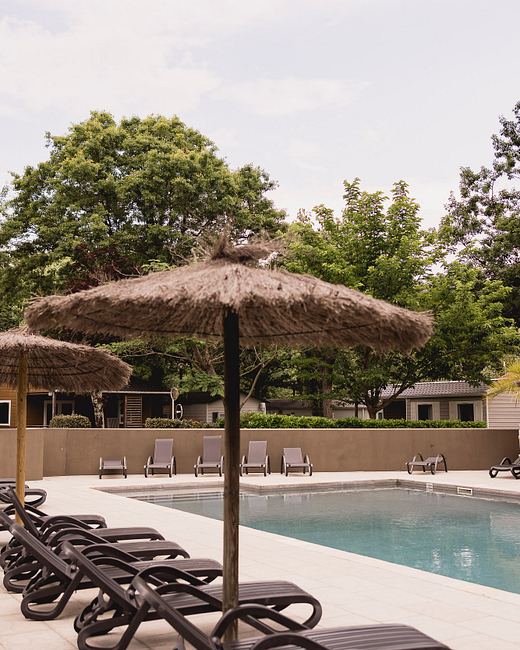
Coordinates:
41 552
97 575
182 625
163 450
257 451
212 453
22 513
293 454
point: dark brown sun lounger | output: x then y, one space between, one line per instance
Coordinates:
145 540
211 458
116 606
292 636
47 592
506 466
432 463
256 458
293 459
162 458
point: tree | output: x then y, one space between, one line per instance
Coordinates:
388 255
508 383
151 189
485 220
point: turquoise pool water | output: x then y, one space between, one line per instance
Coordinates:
461 537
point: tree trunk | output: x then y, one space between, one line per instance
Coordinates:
326 381
97 403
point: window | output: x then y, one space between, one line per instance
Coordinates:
424 412
62 408
466 412
5 413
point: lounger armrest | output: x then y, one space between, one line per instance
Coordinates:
307 459
251 613
503 461
199 461
172 572
149 461
100 463
124 462
244 460
193 590
56 535
106 550
287 638
67 520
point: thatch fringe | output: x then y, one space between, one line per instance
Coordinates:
59 365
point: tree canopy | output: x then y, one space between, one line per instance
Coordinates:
151 188
485 219
386 253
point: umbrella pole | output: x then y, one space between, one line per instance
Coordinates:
231 465
21 428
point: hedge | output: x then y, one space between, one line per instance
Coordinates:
261 421
73 421
168 423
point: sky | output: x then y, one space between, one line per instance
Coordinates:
314 92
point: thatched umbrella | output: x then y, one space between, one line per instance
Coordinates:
230 297
42 363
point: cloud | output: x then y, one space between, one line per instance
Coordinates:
282 97
307 155
108 67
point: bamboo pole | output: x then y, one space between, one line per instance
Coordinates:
21 428
231 466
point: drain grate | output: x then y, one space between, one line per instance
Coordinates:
465 491
429 487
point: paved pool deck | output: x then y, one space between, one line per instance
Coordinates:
352 589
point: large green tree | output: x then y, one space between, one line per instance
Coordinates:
484 220
151 189
385 252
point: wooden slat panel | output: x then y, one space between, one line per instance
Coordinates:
133 411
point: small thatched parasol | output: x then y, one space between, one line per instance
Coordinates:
210 299
42 363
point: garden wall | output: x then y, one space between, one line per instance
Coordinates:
60 452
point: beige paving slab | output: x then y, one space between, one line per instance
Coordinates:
352 589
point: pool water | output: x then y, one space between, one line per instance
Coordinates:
461 537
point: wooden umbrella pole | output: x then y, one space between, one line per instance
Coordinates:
231 465
21 428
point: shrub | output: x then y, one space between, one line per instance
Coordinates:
73 421
168 423
261 421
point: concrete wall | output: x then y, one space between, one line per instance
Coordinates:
57 452
33 457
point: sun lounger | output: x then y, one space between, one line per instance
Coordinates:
111 466
211 458
506 466
162 458
20 565
34 497
256 458
293 459
189 597
293 635
64 525
432 463
57 580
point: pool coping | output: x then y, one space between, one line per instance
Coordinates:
133 491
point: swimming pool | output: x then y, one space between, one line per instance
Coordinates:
466 538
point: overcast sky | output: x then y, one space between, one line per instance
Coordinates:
312 91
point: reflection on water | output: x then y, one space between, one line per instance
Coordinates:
465 538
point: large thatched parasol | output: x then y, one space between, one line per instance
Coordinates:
230 297
42 363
